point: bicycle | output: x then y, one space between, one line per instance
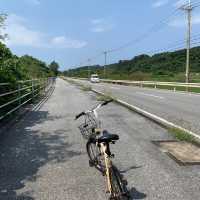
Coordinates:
100 156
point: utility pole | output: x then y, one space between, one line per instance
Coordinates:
104 71
188 8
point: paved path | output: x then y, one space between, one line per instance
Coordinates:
180 108
43 157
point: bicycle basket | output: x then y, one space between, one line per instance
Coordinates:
87 129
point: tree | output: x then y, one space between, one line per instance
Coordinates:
3 18
33 68
54 66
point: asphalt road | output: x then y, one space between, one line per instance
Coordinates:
43 157
180 108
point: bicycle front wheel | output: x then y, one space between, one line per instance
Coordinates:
95 157
118 185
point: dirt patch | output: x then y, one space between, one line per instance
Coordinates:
183 152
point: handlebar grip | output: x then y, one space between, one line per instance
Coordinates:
79 115
107 102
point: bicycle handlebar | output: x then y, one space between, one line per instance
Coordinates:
100 105
79 115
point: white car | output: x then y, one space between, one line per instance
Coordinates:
94 78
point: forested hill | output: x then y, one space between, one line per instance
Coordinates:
167 65
13 68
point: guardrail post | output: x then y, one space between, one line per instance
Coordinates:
43 85
40 87
187 88
19 93
155 86
32 90
174 89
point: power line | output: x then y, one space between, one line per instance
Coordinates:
174 46
153 29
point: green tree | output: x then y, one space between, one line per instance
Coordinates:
3 18
54 66
32 67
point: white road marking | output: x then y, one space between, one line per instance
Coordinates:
115 88
150 95
154 117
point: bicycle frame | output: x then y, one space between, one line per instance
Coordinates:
108 164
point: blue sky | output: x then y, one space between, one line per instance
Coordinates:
71 31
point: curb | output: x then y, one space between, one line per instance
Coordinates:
152 117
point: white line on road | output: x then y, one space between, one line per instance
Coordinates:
154 117
150 95
105 86
115 88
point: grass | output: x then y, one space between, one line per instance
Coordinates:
81 86
104 98
85 88
182 135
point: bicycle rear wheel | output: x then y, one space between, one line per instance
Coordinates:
119 189
95 157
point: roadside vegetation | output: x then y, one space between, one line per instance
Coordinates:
104 97
167 66
14 69
83 87
183 136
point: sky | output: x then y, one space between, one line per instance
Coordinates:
73 31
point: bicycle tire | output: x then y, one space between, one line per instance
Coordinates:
120 191
94 154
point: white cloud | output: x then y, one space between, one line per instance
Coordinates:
101 25
19 34
64 42
160 3
181 22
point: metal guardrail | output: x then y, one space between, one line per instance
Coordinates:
175 86
14 97
152 83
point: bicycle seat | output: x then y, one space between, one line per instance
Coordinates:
107 137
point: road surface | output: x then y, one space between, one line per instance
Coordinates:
43 157
180 108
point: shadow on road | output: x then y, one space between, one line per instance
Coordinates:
135 194
24 150
129 168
